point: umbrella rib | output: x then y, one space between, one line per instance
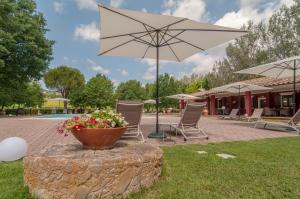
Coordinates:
172 37
124 15
188 43
171 43
279 73
172 50
172 24
146 52
208 30
149 33
122 35
141 40
122 44
162 36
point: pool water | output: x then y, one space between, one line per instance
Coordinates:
59 116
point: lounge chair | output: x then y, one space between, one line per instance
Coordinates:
188 124
256 115
292 123
233 114
132 112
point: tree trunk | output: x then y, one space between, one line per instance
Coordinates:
65 105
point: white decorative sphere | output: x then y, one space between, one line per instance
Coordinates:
12 149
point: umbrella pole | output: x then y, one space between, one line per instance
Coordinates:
157 84
294 89
239 102
157 133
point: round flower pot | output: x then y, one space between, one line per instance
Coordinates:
99 138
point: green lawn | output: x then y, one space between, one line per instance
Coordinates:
263 169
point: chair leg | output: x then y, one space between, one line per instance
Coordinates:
141 134
265 125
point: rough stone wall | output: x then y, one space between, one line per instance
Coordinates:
67 171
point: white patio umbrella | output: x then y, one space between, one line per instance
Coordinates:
144 35
284 68
240 87
182 96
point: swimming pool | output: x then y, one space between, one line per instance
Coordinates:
59 116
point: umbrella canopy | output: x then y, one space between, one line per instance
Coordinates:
144 35
239 87
284 68
150 101
59 99
182 96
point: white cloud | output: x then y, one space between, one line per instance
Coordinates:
124 72
87 32
58 6
149 74
204 63
97 68
144 10
192 9
256 11
87 4
116 3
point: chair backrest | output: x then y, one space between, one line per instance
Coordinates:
191 115
132 112
296 118
234 112
257 113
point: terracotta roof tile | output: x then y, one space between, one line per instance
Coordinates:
261 81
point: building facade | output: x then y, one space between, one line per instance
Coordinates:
276 102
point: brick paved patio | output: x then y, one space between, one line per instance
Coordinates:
40 133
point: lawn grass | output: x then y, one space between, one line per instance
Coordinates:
11 181
262 169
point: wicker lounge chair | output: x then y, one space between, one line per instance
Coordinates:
188 125
292 123
233 114
132 112
256 115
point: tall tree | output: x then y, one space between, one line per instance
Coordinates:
25 52
99 92
168 85
78 97
64 79
275 39
130 90
33 95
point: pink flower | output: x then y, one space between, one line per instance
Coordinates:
78 126
92 121
60 129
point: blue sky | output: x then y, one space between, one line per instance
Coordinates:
73 24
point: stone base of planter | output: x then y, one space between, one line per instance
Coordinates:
68 171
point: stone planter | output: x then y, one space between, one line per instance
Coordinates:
68 172
100 138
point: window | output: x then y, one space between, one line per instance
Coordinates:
219 103
286 100
261 102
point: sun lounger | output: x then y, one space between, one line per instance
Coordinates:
256 115
132 112
188 125
292 123
233 114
